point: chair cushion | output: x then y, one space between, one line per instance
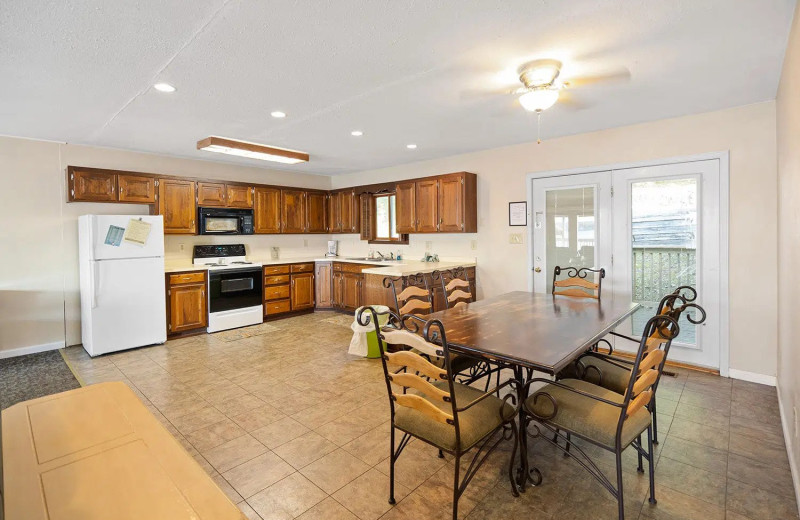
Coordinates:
474 423
613 377
587 417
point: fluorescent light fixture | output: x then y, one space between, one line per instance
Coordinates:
251 150
539 99
164 87
278 114
411 146
357 133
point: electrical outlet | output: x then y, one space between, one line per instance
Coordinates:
182 246
305 242
515 238
428 245
473 245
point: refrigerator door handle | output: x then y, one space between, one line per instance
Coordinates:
94 276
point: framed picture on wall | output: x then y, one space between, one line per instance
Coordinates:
518 213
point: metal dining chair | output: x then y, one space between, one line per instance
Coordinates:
606 419
428 404
576 283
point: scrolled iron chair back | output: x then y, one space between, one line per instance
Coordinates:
411 299
576 283
455 286
412 369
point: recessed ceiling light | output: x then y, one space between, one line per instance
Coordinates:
411 146
278 114
164 87
251 150
357 133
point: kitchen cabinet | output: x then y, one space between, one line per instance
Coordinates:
187 308
442 204
343 211
176 202
267 210
137 189
315 212
334 215
351 291
277 290
302 291
406 207
91 185
427 198
293 211
210 194
239 196
348 286
323 272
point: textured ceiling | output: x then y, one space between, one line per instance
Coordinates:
402 71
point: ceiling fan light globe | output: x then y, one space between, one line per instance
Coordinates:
538 100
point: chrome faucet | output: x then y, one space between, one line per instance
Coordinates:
379 254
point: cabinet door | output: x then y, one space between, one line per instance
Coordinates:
239 196
93 186
406 207
334 213
351 291
451 204
427 205
348 211
338 288
136 188
315 212
267 210
187 307
210 194
293 211
324 287
176 202
302 291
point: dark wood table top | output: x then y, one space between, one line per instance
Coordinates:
533 330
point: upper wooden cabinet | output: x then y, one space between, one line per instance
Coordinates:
343 213
315 212
176 202
267 210
293 211
334 217
239 196
91 185
210 194
443 204
137 189
406 207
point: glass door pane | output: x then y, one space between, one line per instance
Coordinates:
570 228
664 235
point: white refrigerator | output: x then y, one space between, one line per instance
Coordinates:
122 282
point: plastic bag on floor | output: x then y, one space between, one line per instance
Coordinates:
360 342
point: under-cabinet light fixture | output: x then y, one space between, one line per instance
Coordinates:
251 150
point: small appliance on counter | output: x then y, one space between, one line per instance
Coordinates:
333 247
121 260
235 286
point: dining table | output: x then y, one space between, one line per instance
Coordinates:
527 332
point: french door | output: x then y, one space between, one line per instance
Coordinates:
652 229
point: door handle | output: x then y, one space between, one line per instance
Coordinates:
538 269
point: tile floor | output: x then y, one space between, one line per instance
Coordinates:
290 426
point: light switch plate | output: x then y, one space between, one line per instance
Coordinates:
473 245
305 242
515 238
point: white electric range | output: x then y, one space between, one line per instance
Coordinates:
235 286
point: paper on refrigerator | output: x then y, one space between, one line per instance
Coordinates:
137 232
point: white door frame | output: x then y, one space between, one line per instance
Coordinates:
724 209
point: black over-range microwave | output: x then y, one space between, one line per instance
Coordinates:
225 221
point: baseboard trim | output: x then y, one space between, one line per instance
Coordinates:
785 425
753 377
34 349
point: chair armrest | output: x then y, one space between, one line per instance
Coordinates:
617 334
569 388
487 394
614 360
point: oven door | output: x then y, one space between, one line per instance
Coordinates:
234 289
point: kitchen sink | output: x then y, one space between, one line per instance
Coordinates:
367 259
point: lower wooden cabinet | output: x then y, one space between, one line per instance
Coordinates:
288 288
187 307
302 291
351 291
348 286
323 278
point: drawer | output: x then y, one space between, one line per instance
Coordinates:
337 266
356 268
175 279
275 269
279 307
276 292
276 279
302 268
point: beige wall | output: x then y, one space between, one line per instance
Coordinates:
747 132
788 122
39 291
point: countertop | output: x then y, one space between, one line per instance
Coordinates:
385 268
